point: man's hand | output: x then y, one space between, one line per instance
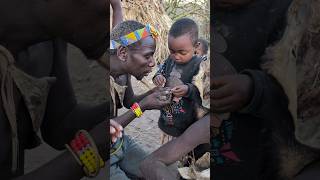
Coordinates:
180 91
230 93
115 130
152 101
159 80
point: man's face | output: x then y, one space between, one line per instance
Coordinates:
140 58
181 48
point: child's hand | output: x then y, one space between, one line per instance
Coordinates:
159 80
180 91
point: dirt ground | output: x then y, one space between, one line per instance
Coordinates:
88 81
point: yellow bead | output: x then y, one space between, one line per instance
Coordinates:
91 169
87 153
82 158
85 161
101 163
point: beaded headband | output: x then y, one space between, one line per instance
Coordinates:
135 36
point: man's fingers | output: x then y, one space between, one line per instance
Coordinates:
163 103
119 134
117 126
114 139
112 130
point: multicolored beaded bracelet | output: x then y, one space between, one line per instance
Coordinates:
84 150
136 110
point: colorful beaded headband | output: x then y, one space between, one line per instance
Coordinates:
135 36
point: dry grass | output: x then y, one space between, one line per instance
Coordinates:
151 12
199 170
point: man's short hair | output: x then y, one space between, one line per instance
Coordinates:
185 26
122 29
204 44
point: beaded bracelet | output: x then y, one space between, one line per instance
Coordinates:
136 110
84 150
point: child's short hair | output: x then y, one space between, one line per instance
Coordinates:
122 29
205 45
183 26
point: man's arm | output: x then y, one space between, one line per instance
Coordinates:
149 102
155 165
130 97
65 167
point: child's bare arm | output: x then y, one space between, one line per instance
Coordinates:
117 16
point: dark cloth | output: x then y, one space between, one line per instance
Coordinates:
183 112
247 32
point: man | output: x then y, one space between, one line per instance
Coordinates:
81 23
130 58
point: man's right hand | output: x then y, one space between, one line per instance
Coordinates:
115 130
152 101
159 80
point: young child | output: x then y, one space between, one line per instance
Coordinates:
176 74
202 49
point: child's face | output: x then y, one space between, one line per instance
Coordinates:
181 48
